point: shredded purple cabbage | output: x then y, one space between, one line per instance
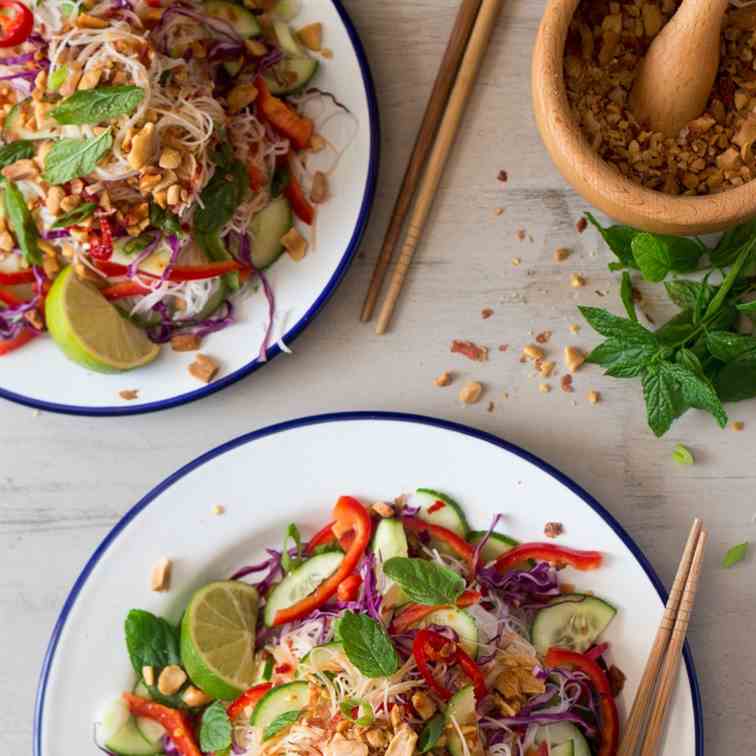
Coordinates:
169 747
215 25
483 541
17 60
523 588
263 356
60 233
165 330
270 59
25 75
272 564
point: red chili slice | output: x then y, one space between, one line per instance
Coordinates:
16 23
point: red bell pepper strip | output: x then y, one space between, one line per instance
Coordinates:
348 513
322 537
101 246
177 273
472 670
349 588
175 722
9 298
16 23
457 544
123 290
561 657
257 178
24 337
17 277
283 118
411 614
299 204
548 552
248 698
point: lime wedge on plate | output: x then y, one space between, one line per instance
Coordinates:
91 331
218 638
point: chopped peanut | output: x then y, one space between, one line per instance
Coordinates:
319 193
148 675
6 242
544 388
142 146
594 397
311 36
561 254
255 47
160 579
241 96
471 392
577 281
129 394
185 342
553 529
20 170
376 739
195 697
170 158
424 705
573 358
444 379
218 510
85 21
204 368
295 244
533 352
317 143
173 195
90 79
546 368
171 679
52 202
383 509
738 425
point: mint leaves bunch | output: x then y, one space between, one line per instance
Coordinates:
698 359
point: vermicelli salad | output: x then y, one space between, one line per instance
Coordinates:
156 159
394 629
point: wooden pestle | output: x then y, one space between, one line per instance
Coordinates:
675 78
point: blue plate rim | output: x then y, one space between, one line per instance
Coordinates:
332 417
305 320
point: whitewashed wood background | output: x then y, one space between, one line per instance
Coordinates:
64 481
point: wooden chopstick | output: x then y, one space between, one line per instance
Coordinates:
671 666
447 132
468 12
634 726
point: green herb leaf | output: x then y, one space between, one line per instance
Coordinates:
686 294
423 581
652 257
736 381
735 554
697 392
689 360
281 722
730 278
138 243
747 307
21 223
431 733
20 150
727 346
682 455
268 669
367 645
365 714
151 641
215 728
288 562
730 244
163 219
70 158
626 294
619 239
223 194
664 402
56 78
91 106
76 216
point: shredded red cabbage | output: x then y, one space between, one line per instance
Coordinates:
523 588
270 59
483 541
263 356
216 25
169 747
17 60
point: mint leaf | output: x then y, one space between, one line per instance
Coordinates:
281 722
367 645
20 150
736 381
21 223
687 294
652 256
727 346
215 728
222 195
91 106
626 294
730 278
730 244
697 392
689 360
613 326
676 330
163 219
735 554
664 402
431 733
747 307
619 239
70 158
423 581
151 641
365 713
77 215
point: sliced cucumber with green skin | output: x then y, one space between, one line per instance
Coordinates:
291 75
286 40
301 582
449 516
461 708
121 734
13 128
390 541
243 21
289 697
565 749
212 245
496 545
151 731
287 9
463 624
573 621
267 228
561 734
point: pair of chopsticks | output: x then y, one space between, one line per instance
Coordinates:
451 90
660 674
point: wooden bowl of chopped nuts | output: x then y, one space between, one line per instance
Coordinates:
584 63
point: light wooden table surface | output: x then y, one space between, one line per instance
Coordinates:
64 481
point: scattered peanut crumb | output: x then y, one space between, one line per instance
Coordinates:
148 675
577 281
574 328
581 225
544 388
383 509
516 261
444 379
503 176
503 347
327 53
469 349
561 254
160 578
546 368
553 529
573 358
218 510
532 352
486 313
204 368
491 406
738 425
543 337
566 383
129 394
185 342
521 234
471 392
499 211
594 397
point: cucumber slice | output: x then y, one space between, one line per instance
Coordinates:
301 582
559 734
286 10
286 40
496 545
461 622
237 15
121 734
389 541
573 621
289 697
13 124
449 516
329 657
291 75
216 251
267 228
151 731
461 708
565 749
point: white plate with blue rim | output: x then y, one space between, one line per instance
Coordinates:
40 376
293 472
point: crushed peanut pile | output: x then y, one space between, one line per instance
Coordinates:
606 42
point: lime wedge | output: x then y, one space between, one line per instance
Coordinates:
91 331
218 638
